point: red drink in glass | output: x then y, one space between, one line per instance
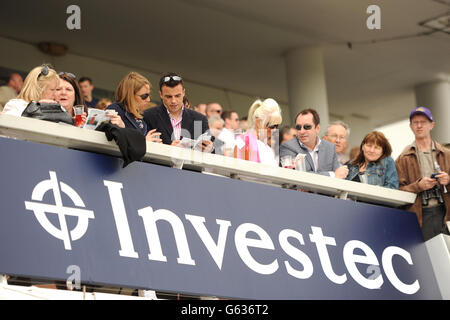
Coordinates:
78 120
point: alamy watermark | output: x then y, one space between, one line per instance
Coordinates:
374 20
73 22
74 280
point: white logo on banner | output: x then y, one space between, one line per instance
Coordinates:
41 209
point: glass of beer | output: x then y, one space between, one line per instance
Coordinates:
78 112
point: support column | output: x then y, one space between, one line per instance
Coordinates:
436 97
306 83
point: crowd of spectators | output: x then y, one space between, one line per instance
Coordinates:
423 167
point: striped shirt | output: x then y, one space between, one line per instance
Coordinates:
176 125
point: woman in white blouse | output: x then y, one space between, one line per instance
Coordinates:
39 85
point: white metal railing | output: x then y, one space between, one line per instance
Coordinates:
72 137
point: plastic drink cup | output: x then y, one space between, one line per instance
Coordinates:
287 162
299 162
78 112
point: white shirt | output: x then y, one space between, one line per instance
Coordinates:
266 154
15 107
315 155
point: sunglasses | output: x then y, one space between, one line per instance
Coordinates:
306 127
44 71
275 126
172 78
144 96
67 73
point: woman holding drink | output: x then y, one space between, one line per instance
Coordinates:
69 96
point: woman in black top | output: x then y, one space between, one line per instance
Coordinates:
132 98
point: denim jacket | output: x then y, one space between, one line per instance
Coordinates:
381 173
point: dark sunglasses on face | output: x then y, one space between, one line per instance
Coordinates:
67 73
275 126
306 127
174 78
143 96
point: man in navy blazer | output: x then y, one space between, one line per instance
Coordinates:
321 157
171 118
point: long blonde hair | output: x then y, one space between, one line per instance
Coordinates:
268 111
127 89
35 83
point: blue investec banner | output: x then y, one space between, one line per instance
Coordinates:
150 226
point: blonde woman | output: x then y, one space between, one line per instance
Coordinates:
131 98
264 117
39 85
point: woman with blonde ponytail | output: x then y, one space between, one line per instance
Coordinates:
39 85
264 117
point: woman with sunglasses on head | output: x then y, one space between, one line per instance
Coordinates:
132 97
40 86
264 117
68 94
374 164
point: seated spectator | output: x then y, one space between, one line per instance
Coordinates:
264 117
286 134
103 103
40 85
321 157
186 103
68 95
201 108
231 124
216 124
87 87
337 134
131 98
171 118
11 90
213 109
374 164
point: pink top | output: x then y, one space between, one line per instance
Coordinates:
251 144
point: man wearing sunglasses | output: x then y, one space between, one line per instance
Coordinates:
213 109
171 118
321 155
